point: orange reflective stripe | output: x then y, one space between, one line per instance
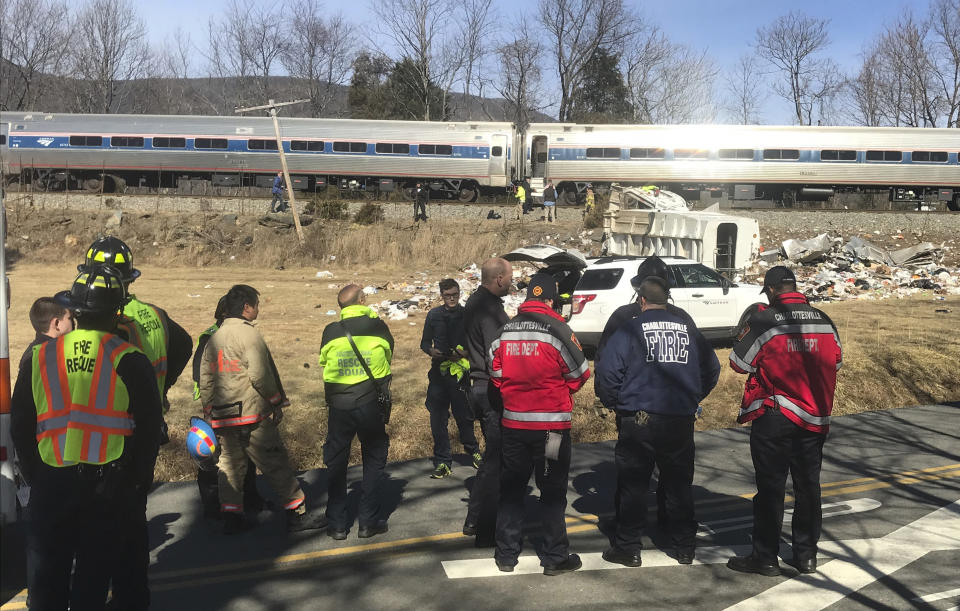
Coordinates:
239 421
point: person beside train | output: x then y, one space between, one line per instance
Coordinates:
279 186
550 201
520 194
421 196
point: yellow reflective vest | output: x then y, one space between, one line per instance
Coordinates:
81 402
147 330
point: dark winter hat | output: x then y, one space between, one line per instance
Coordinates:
542 286
776 276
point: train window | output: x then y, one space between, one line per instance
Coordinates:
86 141
496 151
838 155
394 148
3 139
784 154
930 156
163 142
210 143
435 149
689 154
129 141
884 156
603 153
262 145
743 154
646 153
314 146
349 147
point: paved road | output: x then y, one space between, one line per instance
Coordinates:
891 538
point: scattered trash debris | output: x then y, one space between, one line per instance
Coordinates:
325 274
369 290
331 312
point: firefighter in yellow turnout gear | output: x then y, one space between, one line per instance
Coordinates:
85 418
168 346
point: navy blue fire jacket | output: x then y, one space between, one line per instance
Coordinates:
658 363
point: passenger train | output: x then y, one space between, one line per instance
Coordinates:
464 158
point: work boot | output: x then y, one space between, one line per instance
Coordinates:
234 523
306 520
572 563
377 528
442 471
617 555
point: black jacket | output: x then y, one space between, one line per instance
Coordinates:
443 330
179 350
139 450
482 318
28 353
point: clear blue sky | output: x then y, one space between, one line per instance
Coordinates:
724 27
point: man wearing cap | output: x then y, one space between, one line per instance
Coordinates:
85 422
654 373
791 353
537 364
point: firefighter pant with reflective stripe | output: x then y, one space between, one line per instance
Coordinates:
260 443
778 446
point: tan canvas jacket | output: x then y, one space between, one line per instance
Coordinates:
238 380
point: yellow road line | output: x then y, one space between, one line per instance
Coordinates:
581 523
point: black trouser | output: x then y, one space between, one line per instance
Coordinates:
419 210
665 442
129 583
445 394
484 495
777 446
523 454
366 423
208 482
72 518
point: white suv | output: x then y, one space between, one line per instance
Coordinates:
715 304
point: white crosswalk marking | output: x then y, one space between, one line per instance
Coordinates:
929 598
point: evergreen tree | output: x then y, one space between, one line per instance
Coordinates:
603 97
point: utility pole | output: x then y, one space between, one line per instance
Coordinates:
283 159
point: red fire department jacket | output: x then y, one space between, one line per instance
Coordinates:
792 353
537 364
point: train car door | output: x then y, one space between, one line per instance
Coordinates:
538 157
726 253
498 160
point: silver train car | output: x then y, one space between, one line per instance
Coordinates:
112 152
462 159
747 162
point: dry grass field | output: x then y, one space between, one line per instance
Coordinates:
896 352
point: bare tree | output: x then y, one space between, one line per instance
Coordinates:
476 19
416 29
910 74
867 91
519 74
320 52
34 39
792 44
668 83
109 50
745 91
575 30
171 70
945 47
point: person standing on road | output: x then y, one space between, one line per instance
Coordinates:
421 196
208 473
85 422
483 316
168 346
50 320
443 340
243 401
279 186
550 201
651 266
791 352
353 409
537 364
656 369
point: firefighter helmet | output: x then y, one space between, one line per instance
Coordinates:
109 250
97 291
